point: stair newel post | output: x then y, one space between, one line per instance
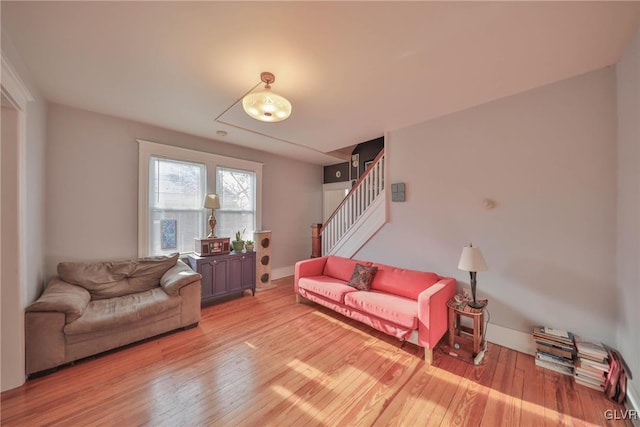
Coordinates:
316 240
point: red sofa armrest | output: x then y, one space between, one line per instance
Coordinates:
308 268
432 311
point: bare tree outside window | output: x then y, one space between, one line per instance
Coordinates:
237 191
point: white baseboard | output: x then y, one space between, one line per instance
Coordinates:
515 340
279 273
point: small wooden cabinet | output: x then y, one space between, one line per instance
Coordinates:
224 275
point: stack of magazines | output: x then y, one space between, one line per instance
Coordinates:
592 364
555 349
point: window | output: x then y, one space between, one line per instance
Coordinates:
176 216
172 184
236 189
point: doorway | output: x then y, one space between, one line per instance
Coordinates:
333 195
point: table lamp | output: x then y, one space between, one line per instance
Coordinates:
211 201
472 261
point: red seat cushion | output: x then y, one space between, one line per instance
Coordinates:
328 287
399 281
399 310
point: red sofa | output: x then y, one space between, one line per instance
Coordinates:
408 304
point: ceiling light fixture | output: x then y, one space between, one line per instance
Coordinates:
265 105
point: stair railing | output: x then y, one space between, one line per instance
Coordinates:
369 186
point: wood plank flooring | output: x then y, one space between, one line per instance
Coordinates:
267 361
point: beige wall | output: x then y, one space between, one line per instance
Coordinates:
547 157
628 267
92 188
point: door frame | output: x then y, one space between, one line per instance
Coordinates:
16 92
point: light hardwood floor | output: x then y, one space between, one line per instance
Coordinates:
267 361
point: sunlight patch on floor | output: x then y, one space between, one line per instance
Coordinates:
495 397
305 369
301 404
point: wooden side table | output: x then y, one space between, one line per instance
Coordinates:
460 335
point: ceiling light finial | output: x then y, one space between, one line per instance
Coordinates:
267 78
265 105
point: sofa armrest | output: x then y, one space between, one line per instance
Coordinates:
63 297
44 342
178 277
432 311
308 268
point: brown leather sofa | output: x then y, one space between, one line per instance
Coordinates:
94 307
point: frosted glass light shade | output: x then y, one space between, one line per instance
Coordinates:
267 106
472 259
211 201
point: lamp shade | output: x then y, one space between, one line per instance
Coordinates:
267 106
211 201
472 259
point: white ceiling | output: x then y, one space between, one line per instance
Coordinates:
352 70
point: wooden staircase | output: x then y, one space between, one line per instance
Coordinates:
360 215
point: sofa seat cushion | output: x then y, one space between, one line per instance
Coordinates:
399 310
328 287
402 282
122 311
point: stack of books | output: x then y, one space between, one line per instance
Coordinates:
555 349
592 364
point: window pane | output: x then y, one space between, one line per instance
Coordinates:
237 191
230 222
188 225
176 216
176 184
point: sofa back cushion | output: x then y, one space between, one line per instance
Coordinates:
341 268
402 282
113 279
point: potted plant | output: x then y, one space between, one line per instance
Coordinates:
248 245
238 244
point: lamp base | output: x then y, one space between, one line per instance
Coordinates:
475 304
212 226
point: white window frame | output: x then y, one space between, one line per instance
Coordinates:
146 149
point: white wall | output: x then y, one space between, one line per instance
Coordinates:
35 213
628 249
92 186
548 159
